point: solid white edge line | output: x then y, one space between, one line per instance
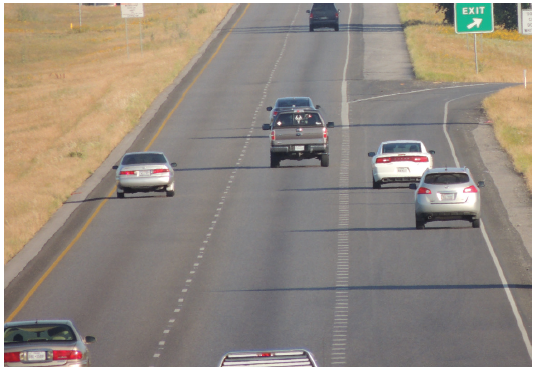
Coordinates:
498 267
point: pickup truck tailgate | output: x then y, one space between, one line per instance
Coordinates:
298 135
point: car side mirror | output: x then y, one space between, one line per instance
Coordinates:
268 109
266 126
307 11
413 186
90 339
317 106
371 154
481 184
432 152
331 124
115 167
173 164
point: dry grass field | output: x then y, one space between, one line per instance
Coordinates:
439 54
71 94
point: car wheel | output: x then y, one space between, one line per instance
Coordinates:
324 160
376 184
419 223
170 193
120 195
476 223
336 28
311 28
274 161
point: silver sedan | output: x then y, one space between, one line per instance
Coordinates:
447 194
45 343
145 172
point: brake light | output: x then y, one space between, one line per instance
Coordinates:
272 135
402 158
67 355
311 15
160 170
325 133
470 189
337 15
11 357
127 172
424 191
265 354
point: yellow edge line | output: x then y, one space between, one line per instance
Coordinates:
45 275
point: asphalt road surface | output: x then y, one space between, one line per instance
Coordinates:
247 257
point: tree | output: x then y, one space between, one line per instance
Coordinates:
504 14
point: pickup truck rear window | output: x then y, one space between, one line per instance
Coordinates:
297 119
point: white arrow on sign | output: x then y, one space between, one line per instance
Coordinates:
476 22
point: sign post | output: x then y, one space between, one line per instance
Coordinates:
132 11
473 18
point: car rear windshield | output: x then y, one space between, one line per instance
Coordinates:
297 119
446 178
38 333
141 158
288 103
401 148
322 7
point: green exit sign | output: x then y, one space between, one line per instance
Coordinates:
473 18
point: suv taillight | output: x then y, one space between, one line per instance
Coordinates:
311 15
424 191
470 189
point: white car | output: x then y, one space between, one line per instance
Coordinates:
400 161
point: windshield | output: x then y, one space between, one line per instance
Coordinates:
38 333
401 148
446 178
141 158
298 119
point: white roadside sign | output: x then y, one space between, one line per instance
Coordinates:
132 10
526 22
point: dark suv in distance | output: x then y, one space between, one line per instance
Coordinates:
323 15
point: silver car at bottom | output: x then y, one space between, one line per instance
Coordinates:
145 172
45 343
446 194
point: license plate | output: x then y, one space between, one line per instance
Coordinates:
448 196
323 17
403 169
145 173
37 356
299 148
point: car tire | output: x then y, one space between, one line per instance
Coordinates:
419 223
324 160
476 223
376 184
311 28
170 193
274 161
336 28
120 195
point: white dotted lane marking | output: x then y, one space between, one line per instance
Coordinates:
161 343
340 319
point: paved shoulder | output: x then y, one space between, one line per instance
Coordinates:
386 54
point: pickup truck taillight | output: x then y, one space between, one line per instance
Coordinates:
325 133
272 135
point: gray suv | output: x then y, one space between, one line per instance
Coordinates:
323 15
446 194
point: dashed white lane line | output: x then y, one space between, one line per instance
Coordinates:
202 250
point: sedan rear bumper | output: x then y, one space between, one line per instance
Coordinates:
141 183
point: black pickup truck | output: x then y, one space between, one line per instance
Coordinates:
298 134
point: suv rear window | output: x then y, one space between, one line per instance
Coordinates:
297 119
288 103
446 178
323 7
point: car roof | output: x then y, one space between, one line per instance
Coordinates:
37 322
401 141
152 152
447 169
